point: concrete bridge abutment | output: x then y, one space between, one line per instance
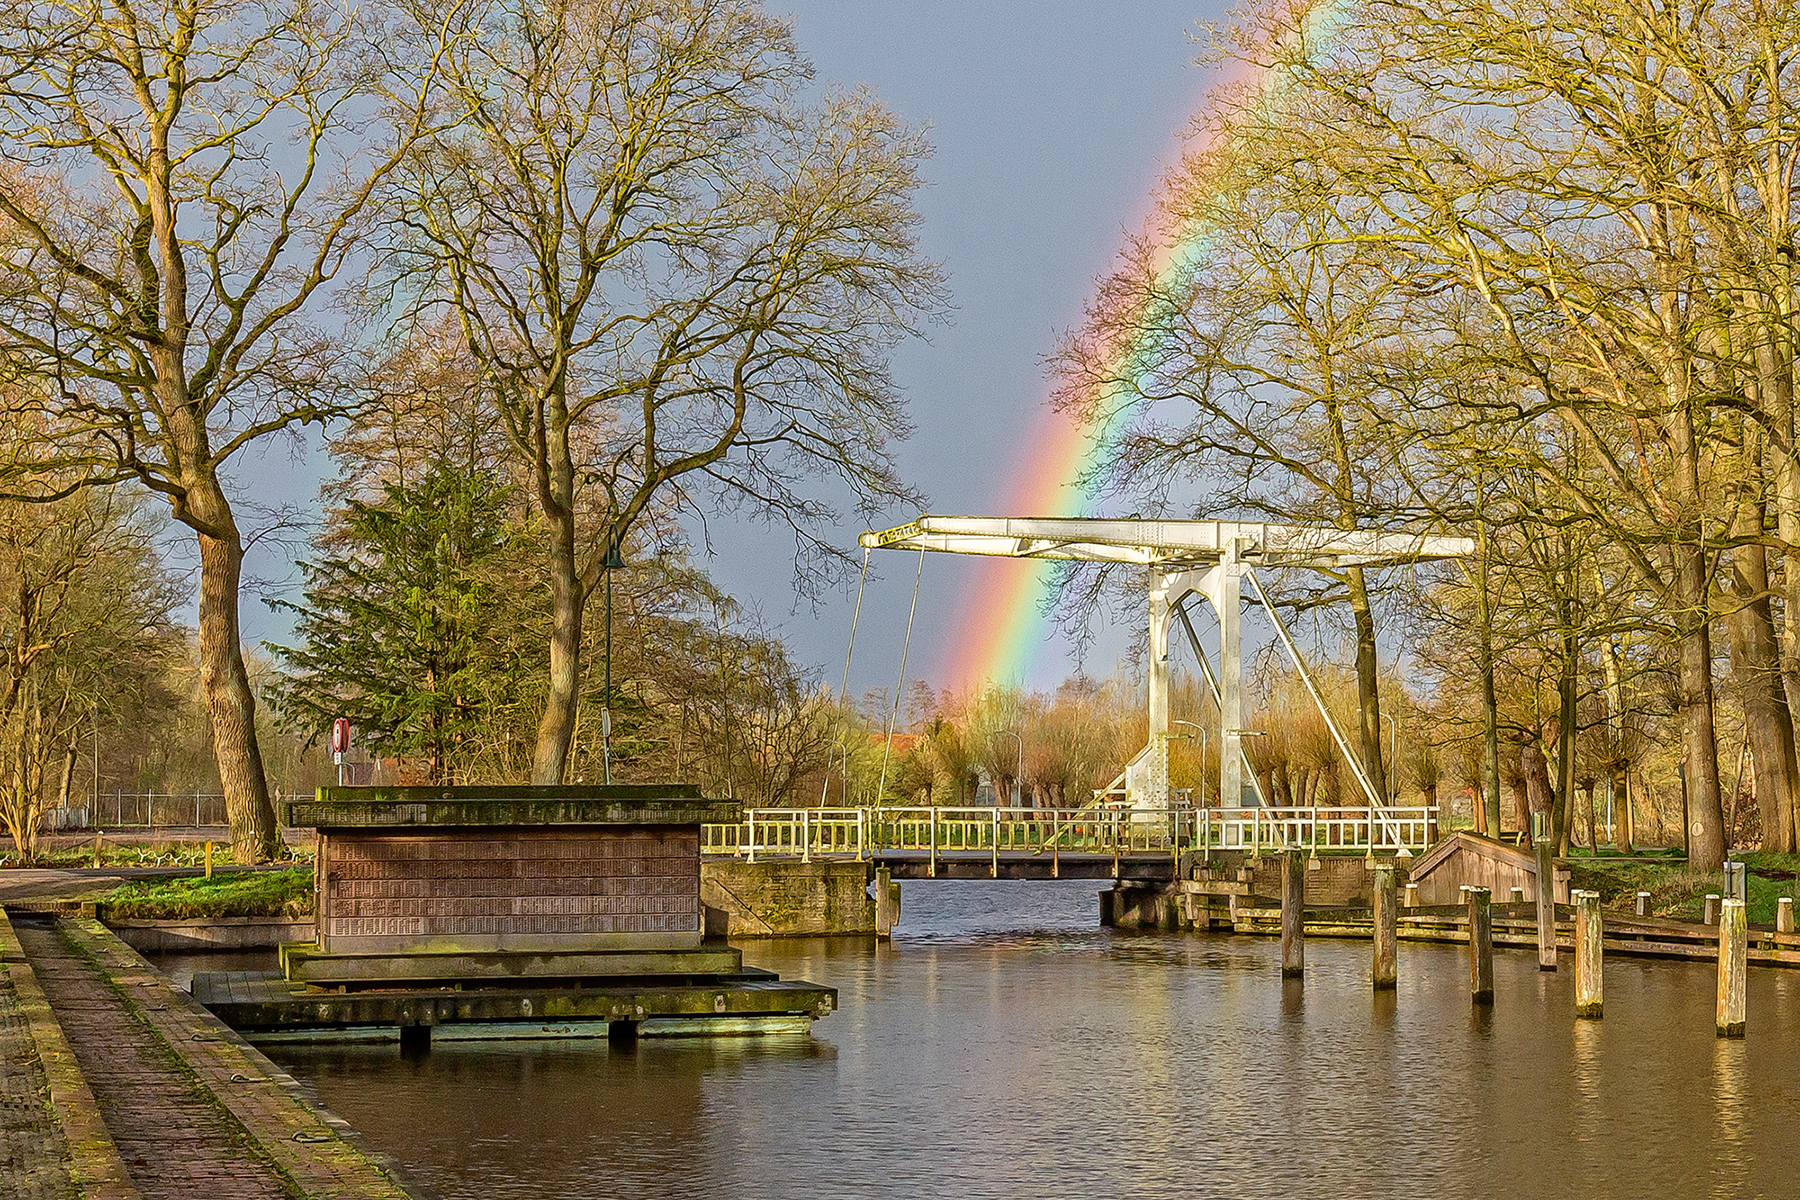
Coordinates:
790 898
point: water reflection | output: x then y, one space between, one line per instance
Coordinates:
1730 1114
1050 1058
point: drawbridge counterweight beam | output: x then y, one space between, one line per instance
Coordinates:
1168 544
1183 558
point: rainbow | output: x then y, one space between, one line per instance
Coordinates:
1005 621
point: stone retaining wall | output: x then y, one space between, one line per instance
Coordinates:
787 898
209 933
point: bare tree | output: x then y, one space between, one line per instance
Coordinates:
184 181
1608 187
678 276
87 617
1251 386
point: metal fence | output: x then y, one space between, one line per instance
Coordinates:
144 810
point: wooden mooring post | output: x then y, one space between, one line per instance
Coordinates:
1481 944
1709 914
1546 905
1588 951
1293 915
1643 904
887 902
1385 974
933 867
1784 914
1412 895
1732 955
995 845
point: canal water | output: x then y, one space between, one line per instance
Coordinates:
1004 1045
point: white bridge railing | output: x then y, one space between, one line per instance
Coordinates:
809 833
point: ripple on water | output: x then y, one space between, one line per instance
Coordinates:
1004 1045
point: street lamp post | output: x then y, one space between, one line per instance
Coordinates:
1392 772
612 561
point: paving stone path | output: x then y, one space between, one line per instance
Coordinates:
174 1138
31 1143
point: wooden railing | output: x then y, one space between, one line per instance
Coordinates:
809 833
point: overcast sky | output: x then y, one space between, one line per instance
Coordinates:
1052 121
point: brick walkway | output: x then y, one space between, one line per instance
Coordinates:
115 1085
31 1143
176 1141
321 1156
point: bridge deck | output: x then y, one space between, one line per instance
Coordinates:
1026 864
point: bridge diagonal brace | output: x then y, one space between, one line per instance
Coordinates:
1212 684
1376 804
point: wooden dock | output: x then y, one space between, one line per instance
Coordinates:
1514 925
262 1004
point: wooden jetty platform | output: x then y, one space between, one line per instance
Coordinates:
568 911
265 1006
1514 924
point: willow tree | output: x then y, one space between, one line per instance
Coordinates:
184 181
678 273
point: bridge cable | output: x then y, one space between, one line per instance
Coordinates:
844 691
888 748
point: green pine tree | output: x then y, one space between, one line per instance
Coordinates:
402 628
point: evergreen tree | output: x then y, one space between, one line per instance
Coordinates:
402 628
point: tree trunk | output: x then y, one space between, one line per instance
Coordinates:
1618 764
562 702
21 812
1538 794
1490 701
1623 818
230 702
553 474
1705 815
68 776
1563 805
1756 663
1776 369
1368 678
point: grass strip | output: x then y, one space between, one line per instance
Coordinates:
286 894
1679 892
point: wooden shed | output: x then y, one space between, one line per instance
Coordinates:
1464 858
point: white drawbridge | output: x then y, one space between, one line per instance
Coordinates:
1183 558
